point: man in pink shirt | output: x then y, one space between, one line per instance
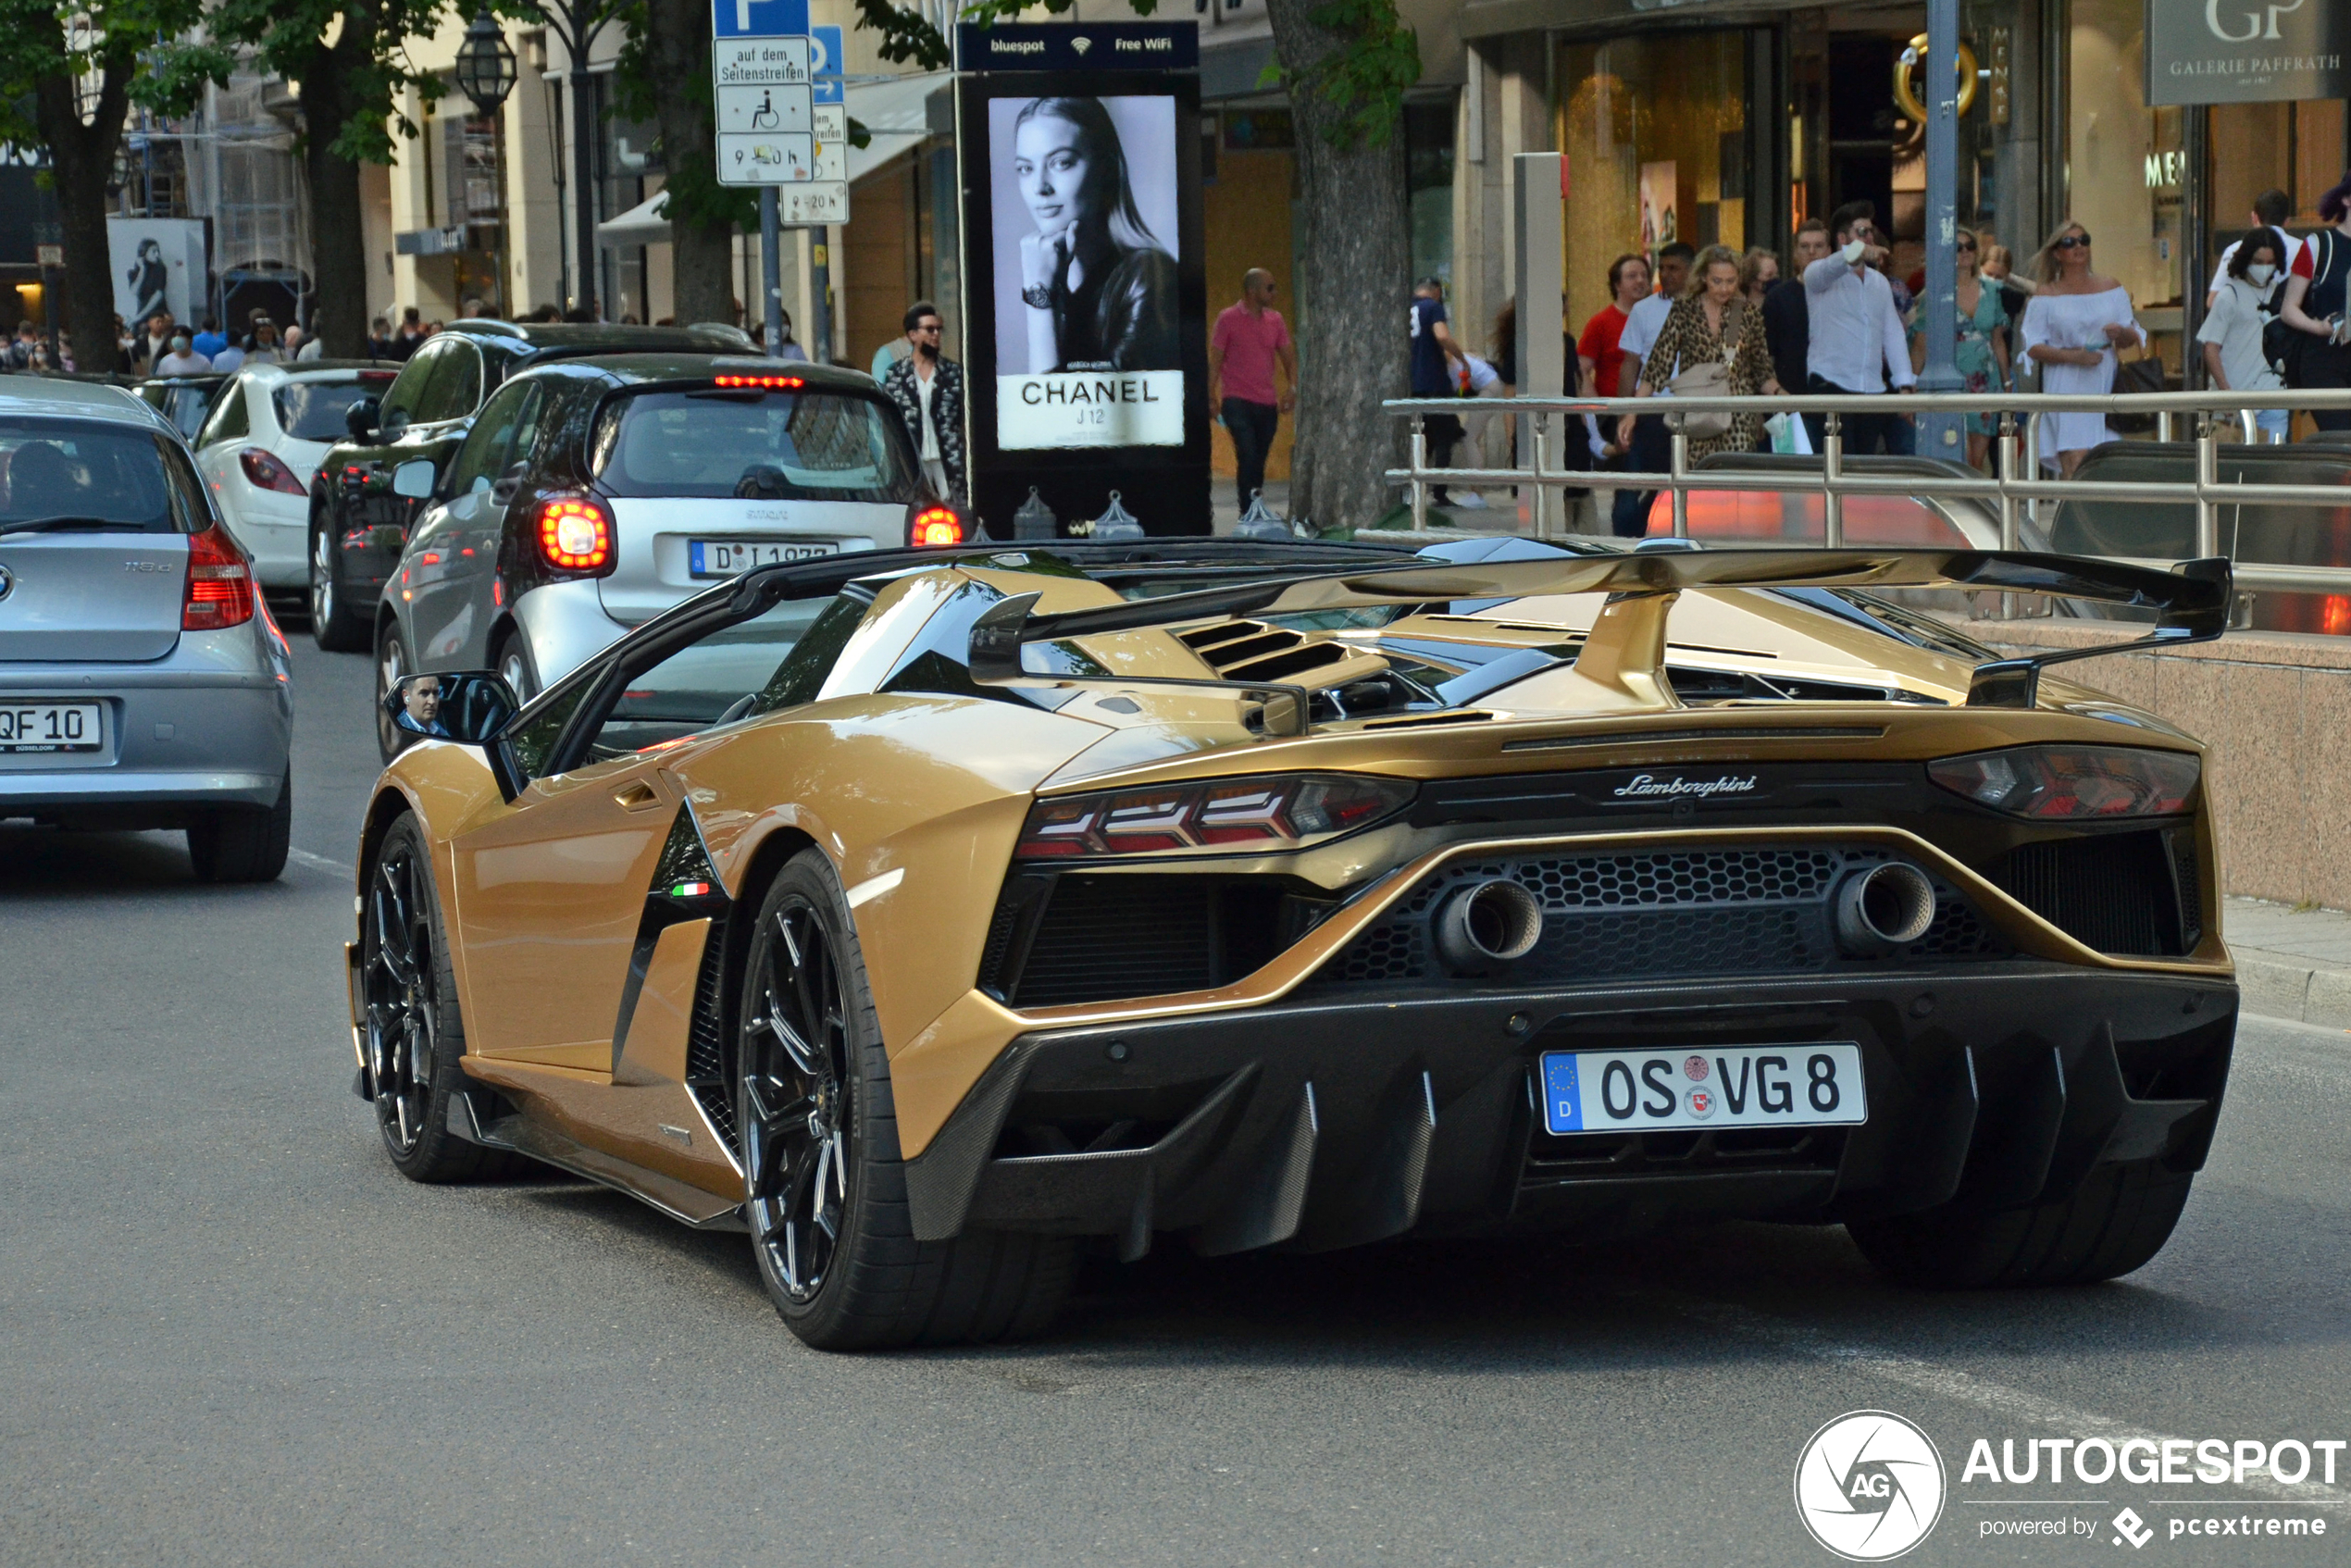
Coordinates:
1249 340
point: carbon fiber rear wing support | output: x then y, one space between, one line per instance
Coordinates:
2191 601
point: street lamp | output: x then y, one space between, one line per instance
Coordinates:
485 72
575 24
485 64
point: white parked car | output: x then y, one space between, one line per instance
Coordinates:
268 431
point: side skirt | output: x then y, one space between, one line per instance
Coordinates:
688 1205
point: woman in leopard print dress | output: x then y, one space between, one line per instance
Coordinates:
1710 323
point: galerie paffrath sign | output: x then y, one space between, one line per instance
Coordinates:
2247 51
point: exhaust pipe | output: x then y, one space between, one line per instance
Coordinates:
1488 922
1886 907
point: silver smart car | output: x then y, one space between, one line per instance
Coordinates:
142 684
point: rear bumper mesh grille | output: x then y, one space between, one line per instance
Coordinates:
1675 913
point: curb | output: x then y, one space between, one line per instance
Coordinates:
2279 985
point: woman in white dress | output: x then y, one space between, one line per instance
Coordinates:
2075 322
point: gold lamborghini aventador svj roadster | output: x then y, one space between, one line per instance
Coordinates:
924 914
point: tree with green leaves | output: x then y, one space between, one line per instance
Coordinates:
69 77
664 76
348 59
1346 65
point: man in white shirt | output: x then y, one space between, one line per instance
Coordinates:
183 360
1652 449
1856 338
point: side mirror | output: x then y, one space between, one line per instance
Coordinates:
413 478
360 419
471 707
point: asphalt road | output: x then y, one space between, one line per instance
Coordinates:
229 1334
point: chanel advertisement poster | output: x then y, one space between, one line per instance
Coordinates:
1082 198
1085 309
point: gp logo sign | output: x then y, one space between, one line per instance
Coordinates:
1869 1485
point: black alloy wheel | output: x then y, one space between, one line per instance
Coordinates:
824 1185
391 664
414 1033
332 625
795 1100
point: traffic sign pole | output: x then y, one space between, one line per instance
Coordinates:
771 274
820 304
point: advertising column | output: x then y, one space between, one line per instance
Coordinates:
1085 306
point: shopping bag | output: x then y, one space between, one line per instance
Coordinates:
1788 435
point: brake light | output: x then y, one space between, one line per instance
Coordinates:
267 472
935 525
1226 816
2053 783
575 535
219 591
776 383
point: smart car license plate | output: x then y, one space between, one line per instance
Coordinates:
49 726
1817 1084
724 557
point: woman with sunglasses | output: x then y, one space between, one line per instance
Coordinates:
1980 355
2073 328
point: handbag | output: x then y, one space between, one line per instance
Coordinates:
2136 378
1711 378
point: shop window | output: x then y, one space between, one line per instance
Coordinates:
1654 129
1428 152
2124 171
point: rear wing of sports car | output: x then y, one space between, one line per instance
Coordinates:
1626 649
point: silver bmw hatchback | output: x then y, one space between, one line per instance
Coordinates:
142 684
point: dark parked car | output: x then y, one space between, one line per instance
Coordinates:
357 524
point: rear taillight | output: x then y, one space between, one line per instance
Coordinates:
935 525
1227 817
2053 783
219 583
267 472
773 383
575 534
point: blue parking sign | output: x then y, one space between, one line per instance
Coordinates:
758 19
825 59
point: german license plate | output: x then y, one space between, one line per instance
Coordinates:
48 727
724 557
1749 1085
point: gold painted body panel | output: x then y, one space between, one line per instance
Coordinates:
654 1051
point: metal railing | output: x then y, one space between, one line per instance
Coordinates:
2015 487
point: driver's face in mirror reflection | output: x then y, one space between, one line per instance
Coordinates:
422 699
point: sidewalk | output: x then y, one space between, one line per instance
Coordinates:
2291 963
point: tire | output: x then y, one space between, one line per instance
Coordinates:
514 664
2116 1220
414 1031
824 1186
243 845
335 626
392 663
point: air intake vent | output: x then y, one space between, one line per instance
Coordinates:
2113 892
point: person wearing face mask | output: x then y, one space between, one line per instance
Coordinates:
2231 333
2271 209
927 387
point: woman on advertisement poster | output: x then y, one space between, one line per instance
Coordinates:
1099 290
150 282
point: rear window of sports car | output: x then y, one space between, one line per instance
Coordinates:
764 446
